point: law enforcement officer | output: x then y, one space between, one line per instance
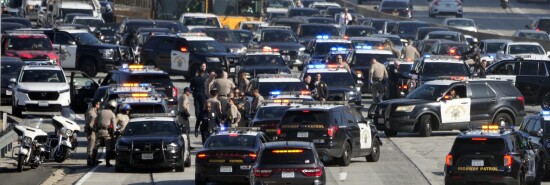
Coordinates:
233 114
256 102
309 84
394 79
105 128
223 85
410 52
183 108
389 46
377 75
321 90
90 117
123 118
341 62
481 69
209 120
243 82
202 69
453 95
208 83
198 88
214 101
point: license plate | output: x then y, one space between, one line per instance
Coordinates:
478 163
245 167
303 134
287 174
380 120
8 92
226 169
43 104
147 156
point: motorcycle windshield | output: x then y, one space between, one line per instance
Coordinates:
34 122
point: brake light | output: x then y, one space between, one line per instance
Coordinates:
278 131
233 135
521 99
479 139
332 131
537 29
253 156
507 160
346 37
174 92
305 111
449 160
452 51
436 2
313 172
258 172
405 87
201 156
305 92
183 49
287 151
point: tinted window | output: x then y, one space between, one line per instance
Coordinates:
206 46
54 76
493 47
526 49
265 60
278 36
151 128
271 112
546 128
505 68
469 146
348 118
508 89
166 45
157 80
324 47
142 108
297 156
305 117
529 68
337 79
481 91
410 28
542 69
62 38
365 59
225 36
544 24
312 31
337 118
537 125
427 92
226 140
443 36
358 32
444 69
11 69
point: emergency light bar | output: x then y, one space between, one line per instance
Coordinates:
198 34
442 57
283 101
545 113
269 49
323 37
143 115
302 92
277 76
310 103
237 129
324 66
265 51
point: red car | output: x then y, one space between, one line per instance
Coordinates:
32 48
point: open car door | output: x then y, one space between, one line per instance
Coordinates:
82 88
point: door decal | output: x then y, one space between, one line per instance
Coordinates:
179 61
453 111
365 136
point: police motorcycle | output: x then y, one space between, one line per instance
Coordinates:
63 143
32 139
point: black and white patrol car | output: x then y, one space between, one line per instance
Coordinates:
262 62
271 85
320 49
270 113
184 53
493 155
432 106
341 83
282 39
143 103
432 67
338 131
114 91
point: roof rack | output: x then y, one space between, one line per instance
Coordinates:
143 115
278 76
272 26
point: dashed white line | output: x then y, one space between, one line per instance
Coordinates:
91 172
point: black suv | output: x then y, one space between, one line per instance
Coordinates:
538 129
433 107
128 28
431 67
145 74
492 155
338 131
288 163
185 53
531 77
228 39
540 24
282 39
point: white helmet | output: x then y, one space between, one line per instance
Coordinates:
112 103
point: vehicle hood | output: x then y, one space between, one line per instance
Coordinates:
265 69
167 139
340 89
40 86
293 46
405 101
32 55
229 45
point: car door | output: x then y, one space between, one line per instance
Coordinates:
527 81
529 155
455 111
483 99
504 71
82 87
353 130
164 53
365 139
65 47
179 59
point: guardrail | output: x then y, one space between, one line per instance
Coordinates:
7 135
479 35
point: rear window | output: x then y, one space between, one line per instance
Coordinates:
478 145
288 156
229 141
305 118
156 80
508 89
147 108
271 112
12 69
544 24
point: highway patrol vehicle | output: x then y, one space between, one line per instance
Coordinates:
361 61
184 53
270 113
320 49
492 155
338 131
228 155
282 39
434 106
273 84
153 141
264 61
40 90
431 67
341 84
111 92
144 103
531 77
537 127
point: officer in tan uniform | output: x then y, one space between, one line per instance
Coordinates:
223 85
208 83
243 82
377 76
90 117
233 114
183 108
106 122
123 117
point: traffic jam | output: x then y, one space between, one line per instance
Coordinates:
275 90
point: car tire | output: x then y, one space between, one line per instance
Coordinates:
425 127
188 162
181 168
345 159
375 153
88 66
20 161
390 133
503 117
118 168
545 101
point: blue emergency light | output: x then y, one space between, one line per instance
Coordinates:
337 49
324 37
427 56
316 66
275 93
545 113
492 56
363 47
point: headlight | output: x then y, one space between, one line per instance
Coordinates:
23 90
107 53
359 74
122 148
212 59
407 108
172 147
238 50
64 90
351 93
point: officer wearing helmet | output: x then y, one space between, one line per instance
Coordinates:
106 122
122 118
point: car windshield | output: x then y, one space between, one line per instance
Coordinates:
306 117
367 42
360 59
442 36
405 68
460 23
12 68
151 128
282 157
293 25
225 36
321 21
538 35
526 49
410 28
312 31
428 92
359 32
493 47
173 27
280 4
278 36
436 69
302 12
65 11
147 108
336 79
206 46
275 113
263 60
201 21
267 87
88 22
470 146
86 38
246 141
134 26
444 49
243 36
324 47
29 43
52 76
544 24
393 5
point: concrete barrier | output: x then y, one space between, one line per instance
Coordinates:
479 35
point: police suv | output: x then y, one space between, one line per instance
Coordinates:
111 92
320 48
338 131
492 155
274 84
431 67
143 103
282 39
265 61
341 84
447 105
270 113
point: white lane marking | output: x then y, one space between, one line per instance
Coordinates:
91 172
343 176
